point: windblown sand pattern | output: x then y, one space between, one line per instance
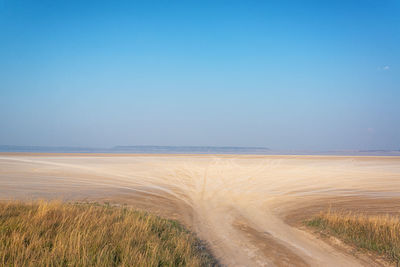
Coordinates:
238 204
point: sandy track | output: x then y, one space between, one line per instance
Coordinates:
239 204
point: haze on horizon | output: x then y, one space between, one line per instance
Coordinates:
306 75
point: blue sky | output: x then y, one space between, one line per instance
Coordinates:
311 75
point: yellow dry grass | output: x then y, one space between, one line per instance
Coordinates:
60 234
376 233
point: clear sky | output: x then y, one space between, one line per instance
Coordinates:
312 75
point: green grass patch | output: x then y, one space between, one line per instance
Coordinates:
380 234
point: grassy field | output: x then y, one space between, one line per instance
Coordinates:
375 233
60 234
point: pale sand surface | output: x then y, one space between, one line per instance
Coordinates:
248 208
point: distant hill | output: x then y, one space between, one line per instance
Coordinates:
138 149
146 149
190 149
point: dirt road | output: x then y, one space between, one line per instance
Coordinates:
238 204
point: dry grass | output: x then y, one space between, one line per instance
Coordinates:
376 233
59 234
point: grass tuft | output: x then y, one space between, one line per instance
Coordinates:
380 234
60 234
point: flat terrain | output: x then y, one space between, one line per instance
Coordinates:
248 208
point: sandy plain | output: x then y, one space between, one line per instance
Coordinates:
248 208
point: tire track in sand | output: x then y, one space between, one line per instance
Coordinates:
232 202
